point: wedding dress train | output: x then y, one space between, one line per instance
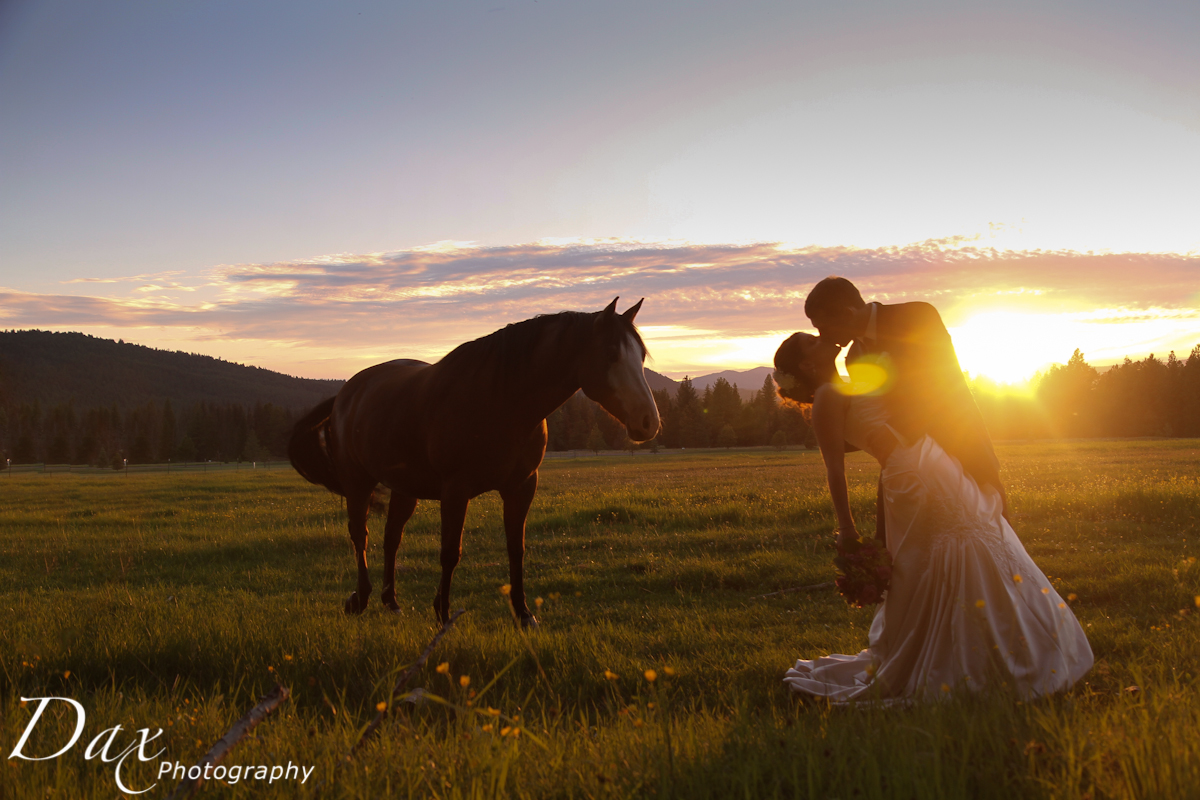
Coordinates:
966 604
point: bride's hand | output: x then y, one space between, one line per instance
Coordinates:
847 535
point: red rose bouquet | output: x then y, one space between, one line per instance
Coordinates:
864 571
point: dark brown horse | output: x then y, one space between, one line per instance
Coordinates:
472 423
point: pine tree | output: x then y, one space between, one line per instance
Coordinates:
595 440
727 437
166 439
689 415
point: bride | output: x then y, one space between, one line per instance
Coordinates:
966 603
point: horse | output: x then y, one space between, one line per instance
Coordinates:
473 422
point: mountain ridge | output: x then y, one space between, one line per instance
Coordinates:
53 367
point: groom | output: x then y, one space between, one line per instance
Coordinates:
927 393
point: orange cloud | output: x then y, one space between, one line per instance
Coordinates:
423 301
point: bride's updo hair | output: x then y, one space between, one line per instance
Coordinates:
794 376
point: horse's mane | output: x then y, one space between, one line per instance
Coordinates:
509 348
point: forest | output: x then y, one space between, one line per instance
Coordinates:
1149 397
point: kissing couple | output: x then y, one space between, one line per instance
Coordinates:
966 605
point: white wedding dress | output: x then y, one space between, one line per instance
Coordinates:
966 604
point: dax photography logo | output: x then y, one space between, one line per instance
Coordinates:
103 746
112 747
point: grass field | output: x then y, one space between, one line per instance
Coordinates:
176 601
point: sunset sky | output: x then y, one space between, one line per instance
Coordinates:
316 187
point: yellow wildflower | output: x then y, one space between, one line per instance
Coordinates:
612 676
1016 578
66 674
506 588
507 729
1071 598
495 712
980 604
487 728
1045 591
651 675
669 672
444 667
538 602
381 705
464 681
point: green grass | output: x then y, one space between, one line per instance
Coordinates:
176 601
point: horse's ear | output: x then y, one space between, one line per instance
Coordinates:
611 308
631 312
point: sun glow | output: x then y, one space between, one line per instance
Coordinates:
1011 347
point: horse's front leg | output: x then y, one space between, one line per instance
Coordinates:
454 514
400 509
357 508
517 500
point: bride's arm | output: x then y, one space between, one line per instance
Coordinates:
829 425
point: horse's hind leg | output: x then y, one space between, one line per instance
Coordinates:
400 509
517 500
357 507
454 513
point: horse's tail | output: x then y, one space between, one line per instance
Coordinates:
307 449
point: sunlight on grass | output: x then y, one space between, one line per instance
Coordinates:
177 601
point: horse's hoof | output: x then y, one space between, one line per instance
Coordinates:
392 606
530 622
442 616
354 606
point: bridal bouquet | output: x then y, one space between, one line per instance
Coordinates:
864 571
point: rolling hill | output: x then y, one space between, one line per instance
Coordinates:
53 368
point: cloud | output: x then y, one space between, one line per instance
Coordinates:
425 300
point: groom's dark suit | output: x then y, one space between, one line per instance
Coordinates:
928 393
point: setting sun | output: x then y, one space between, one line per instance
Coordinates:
1011 347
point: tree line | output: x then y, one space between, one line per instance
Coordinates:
156 432
1150 397
153 432
718 417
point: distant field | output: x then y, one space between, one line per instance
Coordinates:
175 601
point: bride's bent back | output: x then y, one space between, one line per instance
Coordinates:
966 604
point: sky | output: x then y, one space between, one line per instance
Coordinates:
316 187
